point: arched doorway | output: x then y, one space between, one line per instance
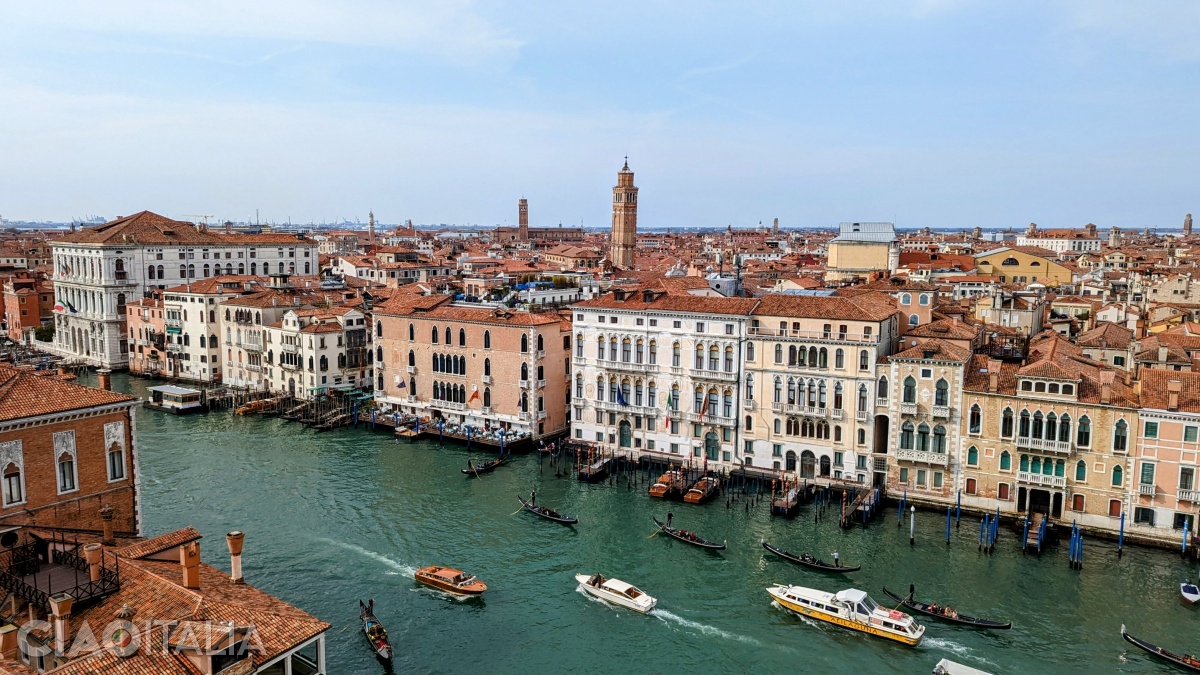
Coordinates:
881 434
808 464
291 386
712 446
791 461
626 434
825 465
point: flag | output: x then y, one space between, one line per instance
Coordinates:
402 385
670 405
704 408
474 395
621 397
59 307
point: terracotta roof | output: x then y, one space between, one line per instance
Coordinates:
935 350
1053 356
26 394
159 544
1155 393
692 304
507 317
864 307
946 329
1106 335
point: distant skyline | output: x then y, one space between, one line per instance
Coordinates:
939 113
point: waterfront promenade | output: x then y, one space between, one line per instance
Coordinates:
334 517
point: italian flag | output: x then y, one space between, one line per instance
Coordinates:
670 404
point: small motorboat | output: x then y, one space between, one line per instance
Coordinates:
808 560
850 608
474 470
689 537
668 486
1189 591
616 592
547 513
946 613
374 630
1188 661
703 490
450 580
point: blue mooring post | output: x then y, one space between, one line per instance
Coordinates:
354 408
1183 549
372 419
947 525
1121 535
995 528
1025 535
982 523
958 510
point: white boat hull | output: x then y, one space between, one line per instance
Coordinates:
1190 593
614 598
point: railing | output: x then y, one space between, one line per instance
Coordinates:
942 411
175 348
748 404
1063 447
818 335
542 414
288 347
541 353
251 345
173 323
629 366
254 367
541 384
448 405
863 416
673 413
1147 490
908 408
486 410
836 413
881 402
485 379
1041 479
523 384
289 366
939 458
411 370
676 370
719 375
712 419
1188 495
524 417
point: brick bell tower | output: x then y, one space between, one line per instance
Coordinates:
523 220
624 222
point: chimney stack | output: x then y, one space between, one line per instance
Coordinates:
8 642
105 376
1106 383
106 518
189 559
1162 353
60 612
1174 387
94 554
235 540
993 369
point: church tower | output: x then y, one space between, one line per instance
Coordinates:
523 220
624 222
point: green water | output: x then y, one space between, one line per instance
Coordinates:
333 517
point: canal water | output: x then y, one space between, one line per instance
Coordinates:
334 517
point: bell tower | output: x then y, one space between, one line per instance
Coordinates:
523 220
624 220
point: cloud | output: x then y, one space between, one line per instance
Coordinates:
1167 28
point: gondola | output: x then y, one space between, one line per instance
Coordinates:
374 630
963 619
688 537
486 467
808 560
547 513
1182 660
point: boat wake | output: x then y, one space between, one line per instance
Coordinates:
955 648
398 568
702 627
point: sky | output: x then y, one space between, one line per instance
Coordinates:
939 113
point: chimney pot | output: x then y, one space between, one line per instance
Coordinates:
189 560
235 540
105 377
60 610
1174 388
94 554
106 519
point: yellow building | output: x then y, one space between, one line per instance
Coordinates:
1023 266
862 251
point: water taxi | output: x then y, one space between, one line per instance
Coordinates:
176 400
703 490
668 485
616 592
852 609
450 580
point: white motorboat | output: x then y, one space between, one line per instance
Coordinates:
1189 591
851 609
616 592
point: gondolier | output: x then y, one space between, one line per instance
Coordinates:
669 517
533 497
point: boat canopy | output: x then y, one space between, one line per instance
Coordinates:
171 389
617 585
851 595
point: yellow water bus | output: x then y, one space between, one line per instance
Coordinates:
850 608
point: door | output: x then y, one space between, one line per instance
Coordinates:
808 464
626 434
1056 505
1039 501
825 465
712 446
790 464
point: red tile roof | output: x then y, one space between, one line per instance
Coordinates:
26 394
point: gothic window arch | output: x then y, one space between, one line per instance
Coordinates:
881 389
524 343
906 436
941 395
462 337
910 390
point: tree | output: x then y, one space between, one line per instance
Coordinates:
44 332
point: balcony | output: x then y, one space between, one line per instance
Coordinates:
881 403
941 412
251 345
1063 447
1146 490
448 405
814 335
836 413
254 367
542 415
174 348
485 379
674 414
289 366
541 384
541 354
486 410
676 370
1041 479
411 370
1188 495
938 458
748 404
715 375
628 366
523 384
524 417
712 419
908 408
862 416
288 347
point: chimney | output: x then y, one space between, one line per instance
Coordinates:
235 540
8 642
62 371
993 369
1106 382
1162 354
1174 387
94 554
189 559
60 612
105 376
106 517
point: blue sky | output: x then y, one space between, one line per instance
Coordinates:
944 113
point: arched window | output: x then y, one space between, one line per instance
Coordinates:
812 358
639 352
914 320
1005 461
1010 262
1118 476
749 423
1037 429
324 363
487 395
862 436
777 426
433 335
923 437
160 272
906 436
837 396
778 396
750 387
487 339
1006 423
972 456
524 343
905 298
653 354
448 334
729 359
14 485
600 388
487 370
939 439
714 357
881 389
749 352
941 394
699 399
524 371
241 268
206 274
150 271
822 359
1023 425
821 394
862 398
1064 428
600 348
727 403
910 390
540 344
462 337
1083 437
1051 427
864 360
66 472
1120 436
626 350
203 341
674 402
652 394
676 353
778 353
975 420
1081 470
839 359
183 271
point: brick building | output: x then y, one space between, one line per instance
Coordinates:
28 303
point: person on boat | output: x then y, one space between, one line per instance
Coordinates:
837 562
533 497
950 612
469 465
669 517
934 609
912 591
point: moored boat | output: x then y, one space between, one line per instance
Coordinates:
374 630
808 560
689 537
850 608
450 580
668 486
474 470
547 513
1189 591
946 613
1188 661
616 592
253 407
703 490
